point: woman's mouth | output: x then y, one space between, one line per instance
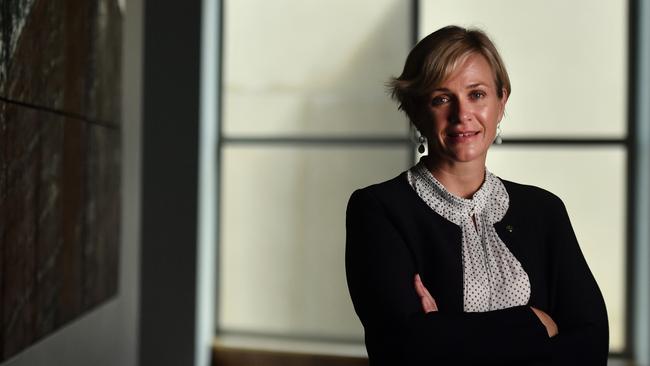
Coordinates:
462 136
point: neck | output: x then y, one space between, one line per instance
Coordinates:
460 179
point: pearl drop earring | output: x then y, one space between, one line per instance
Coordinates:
421 140
498 140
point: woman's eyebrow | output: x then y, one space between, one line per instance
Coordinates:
470 86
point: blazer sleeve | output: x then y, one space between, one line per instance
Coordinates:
380 273
577 304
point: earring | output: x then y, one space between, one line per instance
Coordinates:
498 140
421 140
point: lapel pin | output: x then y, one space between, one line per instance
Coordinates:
509 228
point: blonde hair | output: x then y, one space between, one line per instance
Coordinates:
433 60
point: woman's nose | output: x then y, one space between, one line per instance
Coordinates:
459 111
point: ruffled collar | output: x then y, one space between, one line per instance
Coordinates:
491 201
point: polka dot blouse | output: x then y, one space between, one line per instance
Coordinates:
492 277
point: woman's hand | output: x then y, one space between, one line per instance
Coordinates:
549 323
428 303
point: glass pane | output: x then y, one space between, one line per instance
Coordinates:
313 67
283 236
591 182
567 61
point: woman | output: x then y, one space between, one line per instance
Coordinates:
448 264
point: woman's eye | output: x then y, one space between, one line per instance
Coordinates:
439 100
477 95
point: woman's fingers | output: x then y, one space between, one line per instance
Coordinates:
419 287
428 302
549 323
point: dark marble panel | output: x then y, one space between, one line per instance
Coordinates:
72 217
59 163
102 213
34 53
34 281
67 58
13 14
20 216
104 83
3 219
50 244
60 220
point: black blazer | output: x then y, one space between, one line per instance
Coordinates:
392 235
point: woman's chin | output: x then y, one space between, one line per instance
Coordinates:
465 154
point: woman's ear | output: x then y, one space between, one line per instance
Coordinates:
421 128
416 120
502 103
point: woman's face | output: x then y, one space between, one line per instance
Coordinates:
462 114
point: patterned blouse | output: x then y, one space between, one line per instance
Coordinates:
492 277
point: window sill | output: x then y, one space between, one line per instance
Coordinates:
236 350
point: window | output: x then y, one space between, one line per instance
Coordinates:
306 120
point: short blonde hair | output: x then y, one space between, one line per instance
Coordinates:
433 60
